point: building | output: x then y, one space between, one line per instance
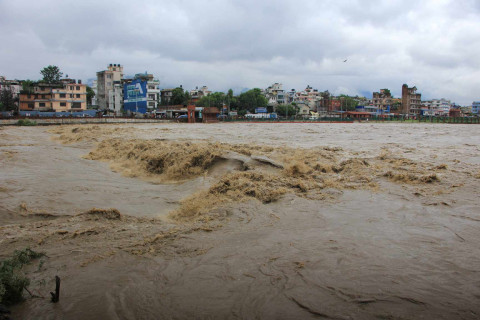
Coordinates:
106 81
94 88
67 96
14 85
166 96
197 94
436 107
411 100
382 100
476 108
141 94
275 94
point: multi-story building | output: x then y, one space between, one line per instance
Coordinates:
166 96
142 93
94 88
275 94
106 81
476 107
67 96
411 100
382 100
198 94
14 86
436 107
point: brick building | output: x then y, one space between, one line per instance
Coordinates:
411 100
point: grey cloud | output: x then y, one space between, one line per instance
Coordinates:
252 43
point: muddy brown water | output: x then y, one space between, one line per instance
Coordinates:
392 254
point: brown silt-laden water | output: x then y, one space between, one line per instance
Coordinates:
267 221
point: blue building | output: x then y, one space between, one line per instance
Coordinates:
475 107
135 96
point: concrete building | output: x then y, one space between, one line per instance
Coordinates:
436 107
382 100
141 94
14 85
476 108
106 81
94 88
68 96
197 94
411 101
166 96
275 94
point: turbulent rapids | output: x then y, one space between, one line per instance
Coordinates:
313 228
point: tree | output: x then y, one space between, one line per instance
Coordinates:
286 110
252 99
7 99
27 86
51 74
215 99
90 95
179 96
348 103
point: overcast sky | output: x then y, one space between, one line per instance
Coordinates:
434 45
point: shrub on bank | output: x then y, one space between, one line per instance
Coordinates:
12 280
26 122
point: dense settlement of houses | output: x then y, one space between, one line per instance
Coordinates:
142 94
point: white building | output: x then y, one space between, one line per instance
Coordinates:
275 94
95 90
197 94
436 107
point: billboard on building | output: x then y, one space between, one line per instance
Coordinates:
135 96
261 110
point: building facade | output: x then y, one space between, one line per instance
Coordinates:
141 94
382 100
70 96
197 94
106 81
476 108
411 100
275 94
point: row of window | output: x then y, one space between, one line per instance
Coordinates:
62 104
71 88
61 95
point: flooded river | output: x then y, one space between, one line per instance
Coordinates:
267 221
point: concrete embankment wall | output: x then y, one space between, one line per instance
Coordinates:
58 121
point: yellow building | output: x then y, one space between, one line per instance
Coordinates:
69 96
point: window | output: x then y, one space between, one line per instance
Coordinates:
78 95
71 95
63 104
31 105
71 87
76 105
63 95
42 88
78 88
42 104
151 96
109 76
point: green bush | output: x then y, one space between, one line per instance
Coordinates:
26 122
12 280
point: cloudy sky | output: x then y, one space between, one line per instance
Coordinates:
432 44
